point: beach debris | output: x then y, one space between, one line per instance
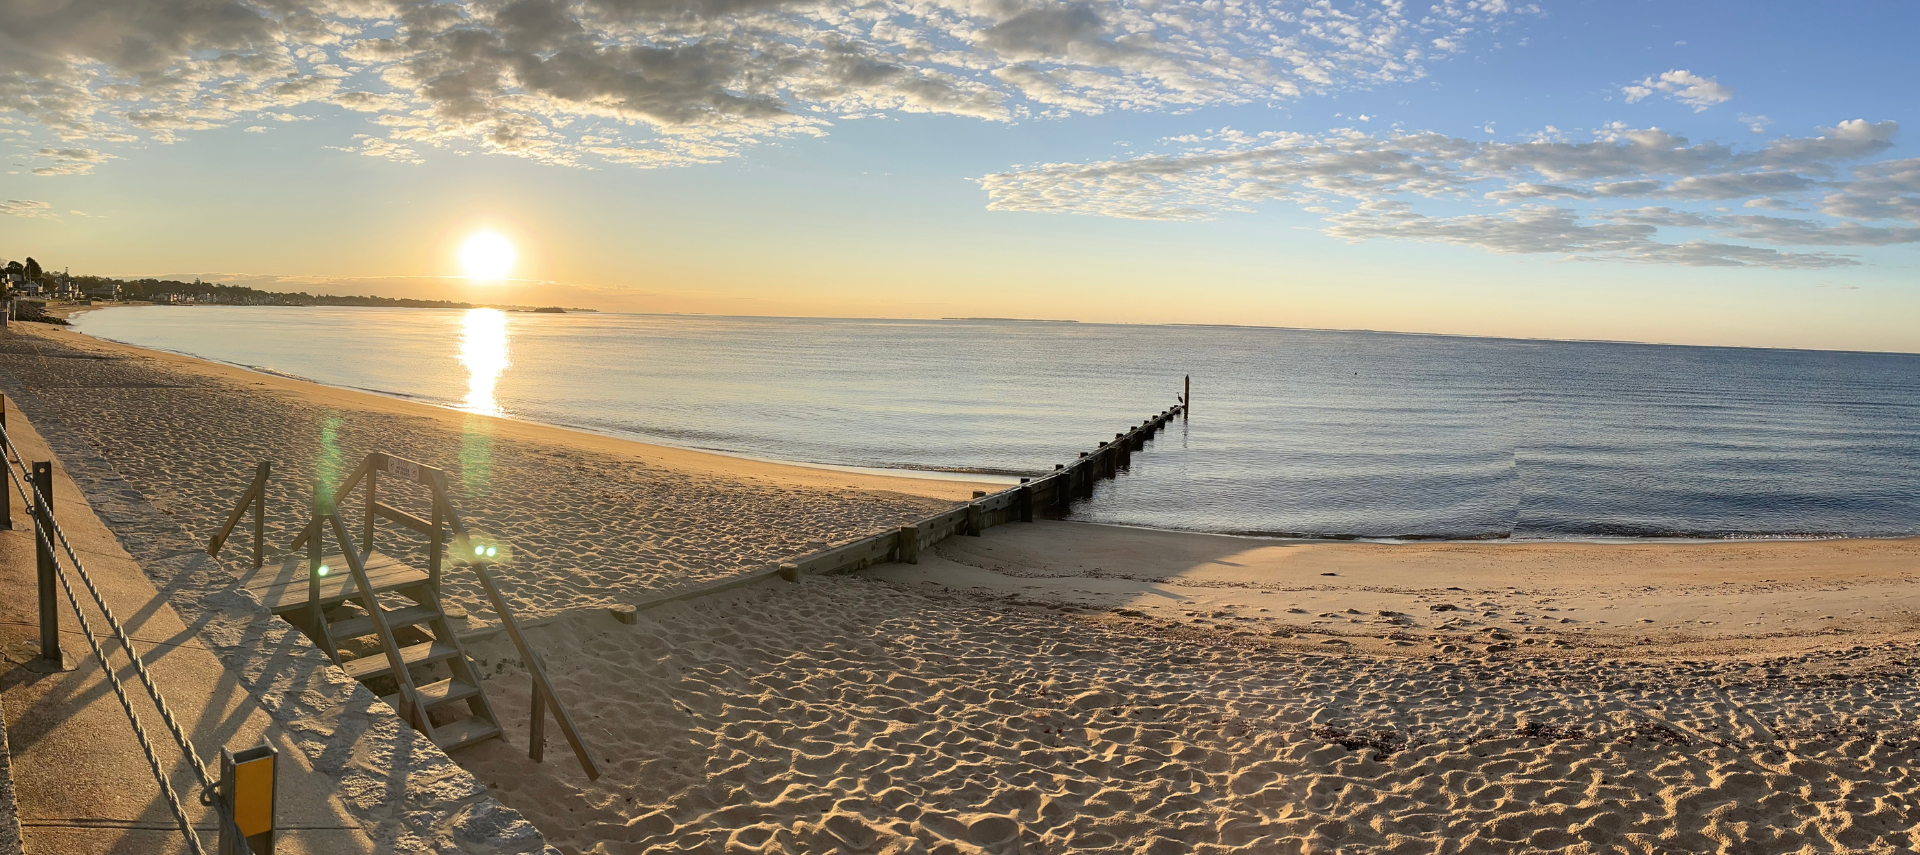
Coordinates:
624 613
1385 743
1443 607
1542 730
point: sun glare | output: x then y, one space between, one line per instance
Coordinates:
483 350
486 255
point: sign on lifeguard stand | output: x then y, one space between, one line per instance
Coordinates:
246 786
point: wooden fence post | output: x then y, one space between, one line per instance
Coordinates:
1025 500
6 495
50 657
264 471
909 544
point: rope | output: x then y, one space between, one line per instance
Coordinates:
207 783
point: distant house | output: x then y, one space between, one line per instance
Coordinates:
27 288
105 291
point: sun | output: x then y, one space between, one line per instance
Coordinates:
486 255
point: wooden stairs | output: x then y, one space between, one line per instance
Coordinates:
424 673
382 621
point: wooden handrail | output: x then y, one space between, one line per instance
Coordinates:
543 694
256 496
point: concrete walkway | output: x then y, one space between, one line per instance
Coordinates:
81 782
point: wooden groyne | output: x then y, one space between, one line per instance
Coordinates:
1050 495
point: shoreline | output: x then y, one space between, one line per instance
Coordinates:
958 475
914 482
990 480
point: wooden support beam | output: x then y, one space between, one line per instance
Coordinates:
406 519
909 544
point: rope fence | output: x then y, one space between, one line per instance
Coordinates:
47 531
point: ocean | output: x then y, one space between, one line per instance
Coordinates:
1293 432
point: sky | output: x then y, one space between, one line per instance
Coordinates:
1706 173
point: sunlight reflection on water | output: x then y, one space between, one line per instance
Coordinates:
483 350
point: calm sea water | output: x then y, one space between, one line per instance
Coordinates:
1294 432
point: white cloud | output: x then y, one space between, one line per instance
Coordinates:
1541 229
71 161
676 82
373 146
26 208
1683 86
1367 186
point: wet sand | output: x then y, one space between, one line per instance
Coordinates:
1060 687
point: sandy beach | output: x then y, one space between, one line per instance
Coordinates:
1063 687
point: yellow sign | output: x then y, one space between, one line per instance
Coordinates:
253 796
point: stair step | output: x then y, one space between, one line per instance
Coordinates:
396 618
434 694
464 732
375 665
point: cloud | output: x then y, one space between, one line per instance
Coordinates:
373 146
1541 229
1683 86
684 81
1368 186
26 208
71 161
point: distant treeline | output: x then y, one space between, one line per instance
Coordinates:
147 289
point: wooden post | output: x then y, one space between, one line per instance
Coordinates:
1062 490
537 734
366 534
316 617
436 547
42 482
6 495
1024 499
264 471
974 521
1186 397
909 544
